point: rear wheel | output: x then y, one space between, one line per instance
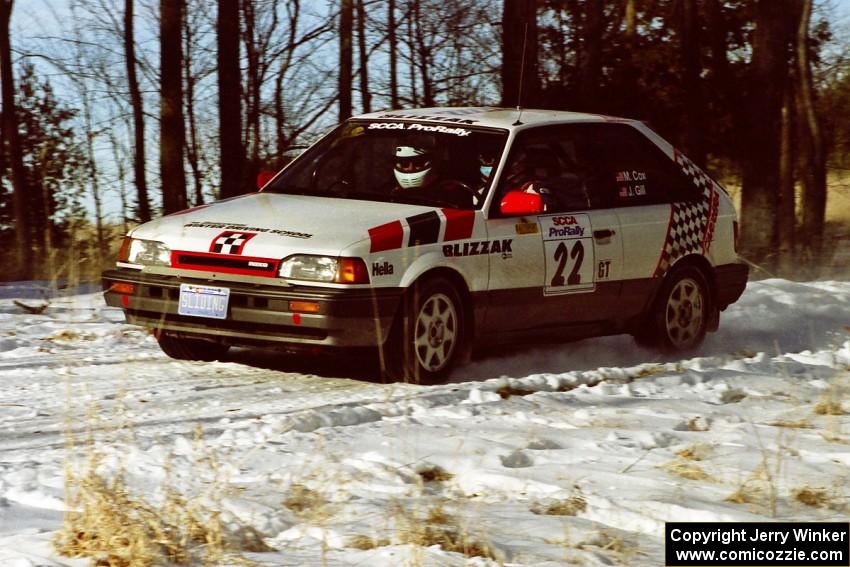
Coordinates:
429 334
680 315
182 348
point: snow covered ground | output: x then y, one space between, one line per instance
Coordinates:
543 456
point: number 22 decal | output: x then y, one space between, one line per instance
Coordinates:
561 256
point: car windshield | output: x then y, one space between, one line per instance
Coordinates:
403 162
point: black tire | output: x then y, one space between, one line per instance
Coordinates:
191 349
680 314
428 335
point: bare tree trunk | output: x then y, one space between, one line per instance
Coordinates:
253 99
282 140
173 133
393 41
365 97
717 28
689 32
630 18
93 175
814 165
144 210
414 96
122 178
346 16
192 149
423 58
786 216
230 100
20 197
519 37
590 71
768 73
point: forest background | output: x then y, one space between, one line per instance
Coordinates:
116 111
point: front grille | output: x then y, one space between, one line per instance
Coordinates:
228 264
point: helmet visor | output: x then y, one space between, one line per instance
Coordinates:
413 164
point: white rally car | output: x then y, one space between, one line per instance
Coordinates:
427 232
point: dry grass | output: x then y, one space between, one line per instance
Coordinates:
789 424
114 527
623 550
117 529
303 500
829 406
650 371
813 497
434 473
698 423
685 469
508 391
442 529
695 452
757 489
364 542
572 506
833 437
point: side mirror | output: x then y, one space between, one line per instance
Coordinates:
264 177
521 203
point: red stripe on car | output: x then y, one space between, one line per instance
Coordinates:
386 237
458 224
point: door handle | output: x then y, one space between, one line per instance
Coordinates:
604 233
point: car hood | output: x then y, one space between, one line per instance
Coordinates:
277 225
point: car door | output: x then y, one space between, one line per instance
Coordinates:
640 185
567 260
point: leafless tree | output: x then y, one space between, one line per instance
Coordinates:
23 237
229 100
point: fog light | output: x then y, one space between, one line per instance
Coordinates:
123 288
304 306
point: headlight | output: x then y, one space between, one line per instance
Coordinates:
324 269
145 252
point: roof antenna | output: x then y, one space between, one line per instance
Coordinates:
521 74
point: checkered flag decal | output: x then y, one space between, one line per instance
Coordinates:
230 242
691 223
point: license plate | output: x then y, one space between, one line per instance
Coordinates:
203 301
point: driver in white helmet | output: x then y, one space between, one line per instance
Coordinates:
415 166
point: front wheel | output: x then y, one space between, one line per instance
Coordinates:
429 334
679 318
182 348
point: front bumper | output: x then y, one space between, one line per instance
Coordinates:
259 313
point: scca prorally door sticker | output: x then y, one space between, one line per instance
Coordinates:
568 247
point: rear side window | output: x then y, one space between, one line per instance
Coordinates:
629 169
595 166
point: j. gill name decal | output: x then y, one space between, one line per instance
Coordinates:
631 183
568 248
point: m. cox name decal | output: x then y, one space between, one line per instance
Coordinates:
502 246
421 229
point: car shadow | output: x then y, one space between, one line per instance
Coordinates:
352 365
